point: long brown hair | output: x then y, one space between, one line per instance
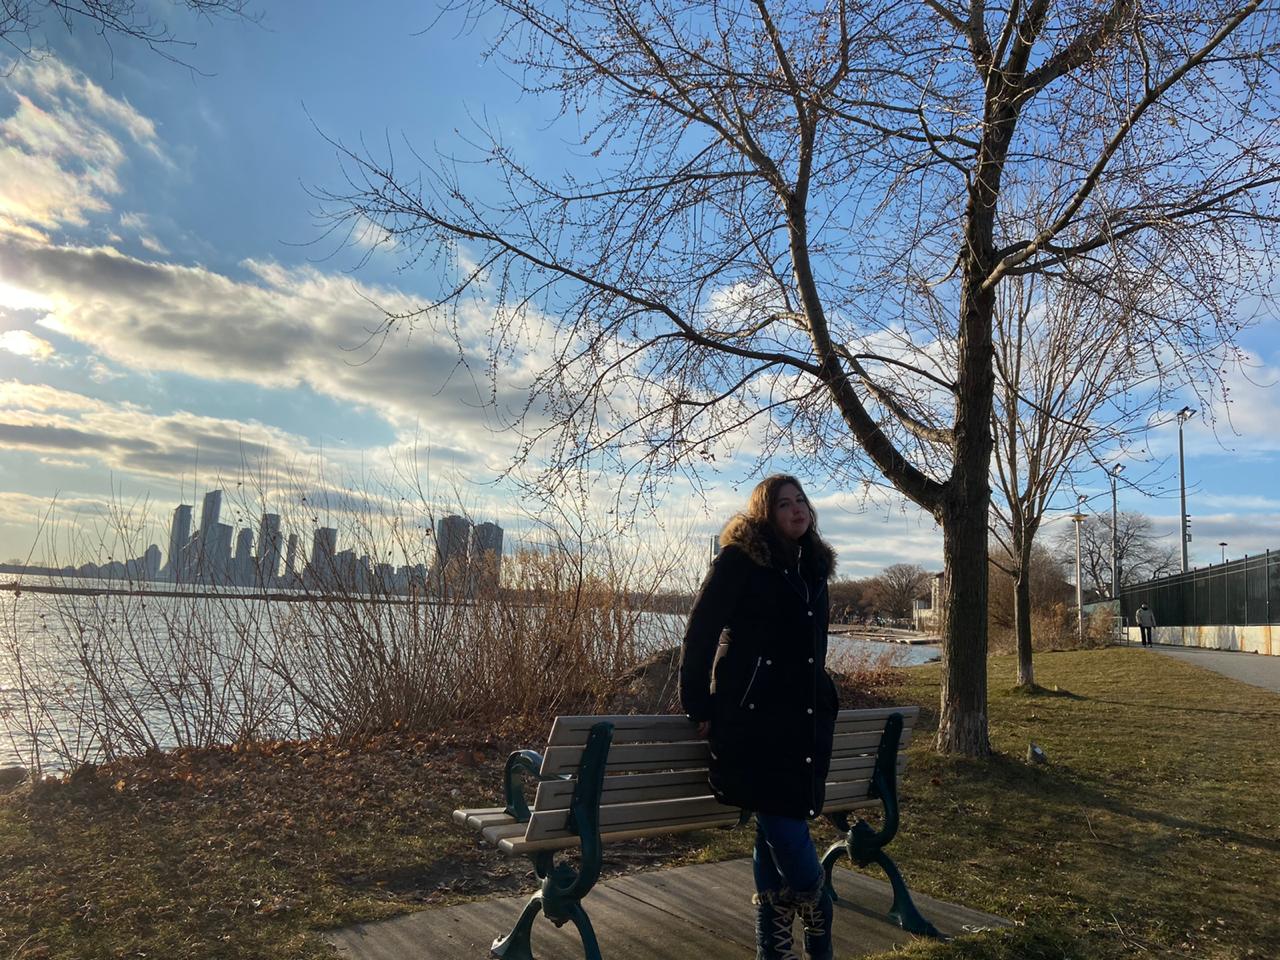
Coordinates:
760 504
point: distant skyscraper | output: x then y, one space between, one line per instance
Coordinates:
205 565
242 567
485 558
151 562
210 512
324 547
449 575
268 548
291 557
179 534
217 553
451 539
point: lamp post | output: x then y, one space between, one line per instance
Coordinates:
1078 518
1223 545
1114 472
1185 414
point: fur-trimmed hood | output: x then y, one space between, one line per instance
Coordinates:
755 541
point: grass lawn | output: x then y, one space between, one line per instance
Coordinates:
1152 831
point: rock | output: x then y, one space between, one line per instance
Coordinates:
11 777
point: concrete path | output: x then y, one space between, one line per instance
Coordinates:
700 911
1261 671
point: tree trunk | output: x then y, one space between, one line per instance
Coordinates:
1022 625
962 725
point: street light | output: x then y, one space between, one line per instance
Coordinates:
1223 545
1078 518
1114 472
1185 414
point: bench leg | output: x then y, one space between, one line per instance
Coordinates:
903 912
590 948
829 861
515 945
904 909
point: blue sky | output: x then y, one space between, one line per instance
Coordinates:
169 312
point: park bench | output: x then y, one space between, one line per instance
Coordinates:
606 779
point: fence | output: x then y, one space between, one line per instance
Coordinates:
1242 592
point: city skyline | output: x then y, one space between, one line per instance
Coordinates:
466 558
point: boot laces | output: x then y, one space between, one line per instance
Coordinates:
814 920
783 938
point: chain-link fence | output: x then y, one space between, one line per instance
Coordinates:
1237 593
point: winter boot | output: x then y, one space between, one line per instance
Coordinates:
775 917
815 909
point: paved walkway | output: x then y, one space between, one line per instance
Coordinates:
1255 668
700 911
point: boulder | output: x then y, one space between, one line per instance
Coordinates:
11 777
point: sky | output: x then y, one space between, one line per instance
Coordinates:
173 317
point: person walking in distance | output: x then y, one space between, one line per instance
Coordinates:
1146 624
766 703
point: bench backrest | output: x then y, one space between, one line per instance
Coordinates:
656 775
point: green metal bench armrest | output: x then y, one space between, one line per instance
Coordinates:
866 842
527 762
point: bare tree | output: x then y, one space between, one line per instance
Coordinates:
1141 552
793 221
897 585
23 22
1047 586
1078 368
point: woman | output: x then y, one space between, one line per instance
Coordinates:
765 700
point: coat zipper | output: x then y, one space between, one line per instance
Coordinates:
750 683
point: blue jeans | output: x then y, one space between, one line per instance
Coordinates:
784 855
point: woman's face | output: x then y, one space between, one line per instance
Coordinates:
791 512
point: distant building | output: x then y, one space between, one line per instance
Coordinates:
204 564
268 562
151 563
216 553
242 566
291 557
324 547
452 534
179 534
484 559
210 512
449 573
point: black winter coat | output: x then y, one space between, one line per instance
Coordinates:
773 708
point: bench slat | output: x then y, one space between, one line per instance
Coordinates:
627 788
503 831
880 714
477 817
640 728
520 846
688 754
640 787
638 757
653 814
851 744
670 728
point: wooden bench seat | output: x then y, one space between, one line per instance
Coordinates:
603 779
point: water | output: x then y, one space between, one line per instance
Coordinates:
94 676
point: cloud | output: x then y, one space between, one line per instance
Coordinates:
140 224
279 328
128 438
62 149
24 343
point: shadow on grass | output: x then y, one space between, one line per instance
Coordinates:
1051 783
1035 690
